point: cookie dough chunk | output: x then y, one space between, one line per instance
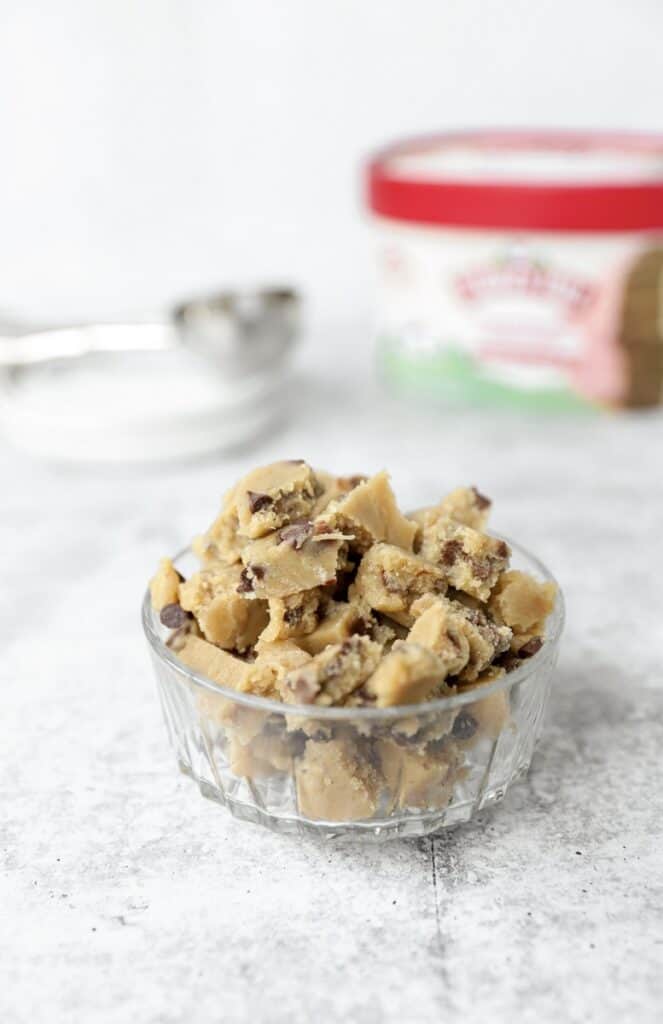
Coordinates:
273 496
408 674
465 639
295 615
282 564
340 621
336 781
224 616
441 628
165 585
221 542
333 674
216 664
390 580
471 561
417 778
486 640
370 513
261 747
334 488
274 660
465 505
521 602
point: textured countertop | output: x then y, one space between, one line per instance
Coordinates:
127 897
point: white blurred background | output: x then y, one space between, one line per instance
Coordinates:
151 148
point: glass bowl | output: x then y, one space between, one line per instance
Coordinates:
375 772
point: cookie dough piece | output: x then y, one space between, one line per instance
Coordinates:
463 637
336 781
277 566
295 615
340 621
216 664
333 488
333 674
471 561
224 616
441 628
244 761
274 660
521 602
408 674
390 580
221 543
371 514
465 505
165 585
417 778
272 496
486 639
261 755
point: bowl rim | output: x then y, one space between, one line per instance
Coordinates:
315 711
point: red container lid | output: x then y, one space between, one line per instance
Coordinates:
526 180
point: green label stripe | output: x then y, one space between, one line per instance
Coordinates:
452 374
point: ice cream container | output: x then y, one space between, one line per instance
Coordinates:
521 267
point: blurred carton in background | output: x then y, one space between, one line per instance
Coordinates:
522 267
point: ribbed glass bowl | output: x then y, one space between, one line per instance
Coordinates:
375 772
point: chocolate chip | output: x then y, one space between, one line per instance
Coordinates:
296 534
304 688
531 647
480 500
173 616
257 571
502 550
480 569
465 726
245 585
508 661
293 616
451 552
295 462
258 501
365 695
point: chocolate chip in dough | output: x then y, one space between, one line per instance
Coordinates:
304 689
258 501
245 585
531 647
451 552
173 616
465 726
296 534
